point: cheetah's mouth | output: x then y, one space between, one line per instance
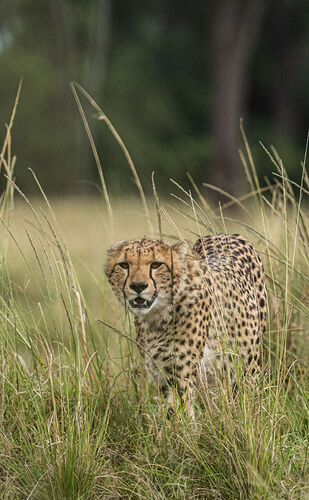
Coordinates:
140 303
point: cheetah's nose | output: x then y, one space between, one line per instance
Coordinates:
138 286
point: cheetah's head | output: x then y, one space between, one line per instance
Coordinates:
145 274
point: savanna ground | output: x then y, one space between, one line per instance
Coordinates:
78 418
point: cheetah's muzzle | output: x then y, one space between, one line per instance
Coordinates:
140 303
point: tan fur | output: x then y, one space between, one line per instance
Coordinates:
201 313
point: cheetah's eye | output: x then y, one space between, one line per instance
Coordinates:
155 265
124 265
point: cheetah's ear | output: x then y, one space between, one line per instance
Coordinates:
181 248
116 246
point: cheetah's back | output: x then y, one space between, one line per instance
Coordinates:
238 311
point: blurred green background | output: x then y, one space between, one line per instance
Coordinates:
173 76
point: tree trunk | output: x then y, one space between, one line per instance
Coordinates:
99 29
94 74
287 45
234 38
63 50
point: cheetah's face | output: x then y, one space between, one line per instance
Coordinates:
143 273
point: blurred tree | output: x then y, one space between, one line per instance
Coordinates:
235 29
288 37
97 48
174 77
95 66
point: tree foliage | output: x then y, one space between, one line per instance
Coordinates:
164 72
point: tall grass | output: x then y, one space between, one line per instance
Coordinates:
78 417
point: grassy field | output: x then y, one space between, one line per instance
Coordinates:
78 418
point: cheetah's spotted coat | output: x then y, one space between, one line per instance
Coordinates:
195 313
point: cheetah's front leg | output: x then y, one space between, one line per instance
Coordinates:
179 392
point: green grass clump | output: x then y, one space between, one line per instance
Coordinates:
78 417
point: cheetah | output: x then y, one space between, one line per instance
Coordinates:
198 314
